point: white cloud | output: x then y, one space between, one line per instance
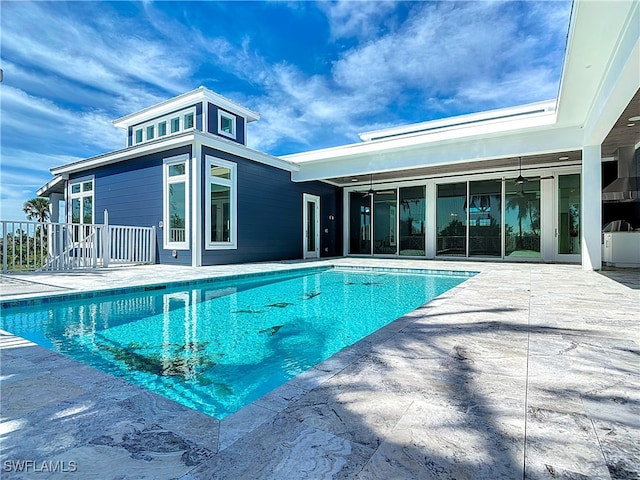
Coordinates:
358 18
57 129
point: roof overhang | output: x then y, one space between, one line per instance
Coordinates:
183 101
176 141
53 186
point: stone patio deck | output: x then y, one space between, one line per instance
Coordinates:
523 371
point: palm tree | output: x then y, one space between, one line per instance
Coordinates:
37 208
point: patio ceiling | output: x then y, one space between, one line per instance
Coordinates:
502 166
624 132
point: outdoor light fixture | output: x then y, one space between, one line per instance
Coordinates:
563 158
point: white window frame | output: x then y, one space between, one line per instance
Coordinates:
230 116
166 183
180 115
232 183
80 195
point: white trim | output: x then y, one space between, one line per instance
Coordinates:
186 138
80 195
229 116
196 204
155 124
496 116
166 181
187 99
232 183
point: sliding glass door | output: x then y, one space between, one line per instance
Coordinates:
485 218
522 220
451 220
359 223
385 222
412 221
568 229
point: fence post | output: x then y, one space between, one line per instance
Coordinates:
152 245
106 241
4 247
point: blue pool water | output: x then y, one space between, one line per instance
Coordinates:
219 345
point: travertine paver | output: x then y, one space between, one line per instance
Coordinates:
524 371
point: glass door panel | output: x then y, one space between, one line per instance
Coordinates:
311 227
569 214
359 223
485 218
451 220
522 220
412 220
385 220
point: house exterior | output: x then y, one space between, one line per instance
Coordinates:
187 170
533 183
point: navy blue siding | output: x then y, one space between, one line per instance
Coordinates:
269 208
131 191
212 126
270 215
199 117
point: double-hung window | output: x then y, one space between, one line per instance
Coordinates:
176 202
221 217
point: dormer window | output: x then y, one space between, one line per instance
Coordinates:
171 124
175 124
226 124
188 121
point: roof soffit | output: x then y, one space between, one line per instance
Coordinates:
595 32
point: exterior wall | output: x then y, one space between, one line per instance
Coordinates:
131 191
212 127
269 208
270 214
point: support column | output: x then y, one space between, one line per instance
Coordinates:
54 206
591 201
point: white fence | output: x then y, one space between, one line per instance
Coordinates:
37 246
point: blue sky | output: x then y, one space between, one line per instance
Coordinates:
318 72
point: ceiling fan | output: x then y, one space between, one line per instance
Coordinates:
371 191
520 179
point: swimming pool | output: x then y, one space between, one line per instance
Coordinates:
218 345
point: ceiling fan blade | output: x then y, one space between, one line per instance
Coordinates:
520 180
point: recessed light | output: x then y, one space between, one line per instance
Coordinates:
635 119
563 158
631 124
354 179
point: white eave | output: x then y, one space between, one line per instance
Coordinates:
497 116
456 129
182 101
176 141
55 185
